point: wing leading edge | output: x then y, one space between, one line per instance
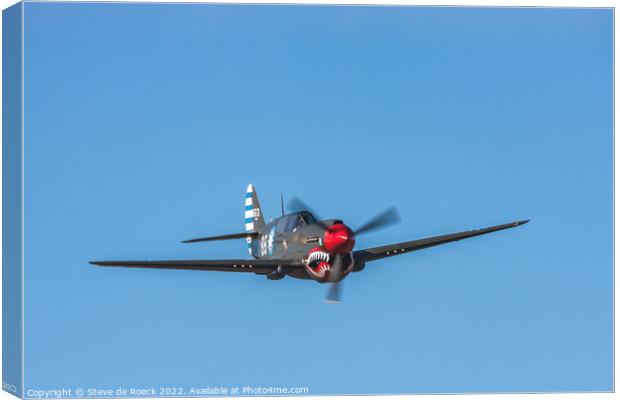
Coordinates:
376 253
256 266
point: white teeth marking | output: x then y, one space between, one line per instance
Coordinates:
320 256
325 268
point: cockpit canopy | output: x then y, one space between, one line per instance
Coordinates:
295 221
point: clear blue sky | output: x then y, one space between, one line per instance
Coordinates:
145 123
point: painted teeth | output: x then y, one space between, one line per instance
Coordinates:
319 259
317 264
318 256
324 269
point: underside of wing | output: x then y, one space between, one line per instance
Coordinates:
390 250
256 266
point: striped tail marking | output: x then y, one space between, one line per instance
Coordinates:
253 217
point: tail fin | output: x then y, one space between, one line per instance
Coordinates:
253 214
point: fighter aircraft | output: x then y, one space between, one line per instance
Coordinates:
303 246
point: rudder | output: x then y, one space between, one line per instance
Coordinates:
253 214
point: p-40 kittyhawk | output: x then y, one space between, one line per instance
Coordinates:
303 246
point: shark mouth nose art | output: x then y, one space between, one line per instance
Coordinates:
317 263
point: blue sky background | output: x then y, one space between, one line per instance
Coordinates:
144 124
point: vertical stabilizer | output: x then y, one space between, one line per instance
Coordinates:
253 213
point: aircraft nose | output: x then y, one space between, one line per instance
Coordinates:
339 238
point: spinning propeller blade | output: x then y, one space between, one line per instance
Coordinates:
387 217
297 205
334 291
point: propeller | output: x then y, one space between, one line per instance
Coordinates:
297 205
387 217
334 291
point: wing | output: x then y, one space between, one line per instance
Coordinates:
256 266
390 250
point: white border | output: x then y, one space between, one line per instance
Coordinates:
23 342
478 3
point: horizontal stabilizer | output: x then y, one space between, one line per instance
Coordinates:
251 234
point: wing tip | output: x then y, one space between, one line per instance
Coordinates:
97 263
107 263
523 221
